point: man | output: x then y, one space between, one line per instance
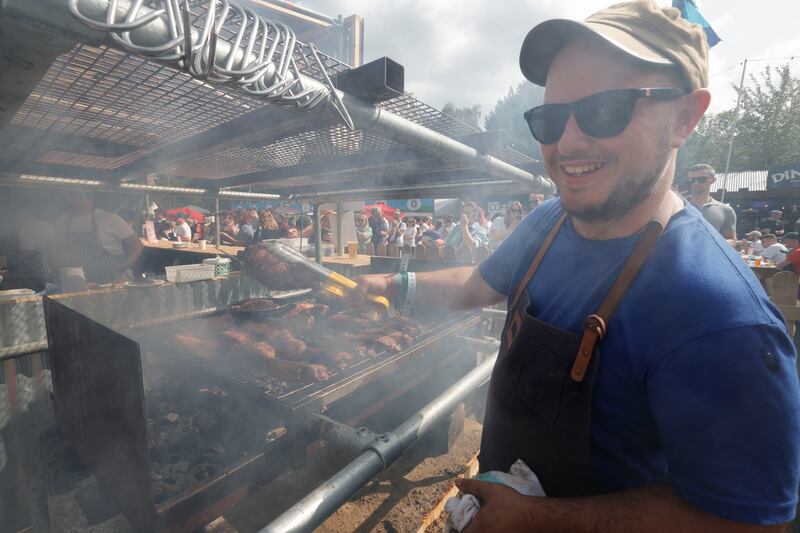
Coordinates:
183 230
773 250
99 241
534 200
637 409
774 224
792 261
721 216
755 238
380 227
449 225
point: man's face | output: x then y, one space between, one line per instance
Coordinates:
767 242
791 243
602 179
775 216
448 220
700 182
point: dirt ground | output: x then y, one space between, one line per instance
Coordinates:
397 501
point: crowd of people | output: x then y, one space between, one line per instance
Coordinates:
472 228
238 227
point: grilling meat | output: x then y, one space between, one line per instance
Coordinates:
395 341
274 273
278 335
203 348
308 308
249 345
297 370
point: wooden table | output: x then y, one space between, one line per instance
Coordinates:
194 248
346 266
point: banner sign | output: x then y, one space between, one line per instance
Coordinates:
410 206
784 177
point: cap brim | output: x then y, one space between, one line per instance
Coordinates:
545 40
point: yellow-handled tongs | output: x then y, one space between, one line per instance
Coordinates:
334 282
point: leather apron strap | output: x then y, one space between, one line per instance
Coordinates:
595 324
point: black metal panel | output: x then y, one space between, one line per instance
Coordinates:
377 81
99 405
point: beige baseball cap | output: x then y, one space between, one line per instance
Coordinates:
641 29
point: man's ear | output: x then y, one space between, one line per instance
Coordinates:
690 110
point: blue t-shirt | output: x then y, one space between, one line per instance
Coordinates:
697 385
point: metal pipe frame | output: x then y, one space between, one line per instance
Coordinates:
72 184
312 510
158 32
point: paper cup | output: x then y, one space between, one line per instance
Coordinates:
202 243
352 249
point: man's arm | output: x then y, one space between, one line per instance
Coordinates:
131 248
728 228
654 509
453 288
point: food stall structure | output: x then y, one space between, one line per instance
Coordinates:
99 94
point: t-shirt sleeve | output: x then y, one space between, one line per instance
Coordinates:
794 259
728 412
117 227
729 224
498 269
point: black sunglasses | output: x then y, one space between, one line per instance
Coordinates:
701 179
600 115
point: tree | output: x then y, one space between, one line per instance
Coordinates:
767 132
507 116
468 115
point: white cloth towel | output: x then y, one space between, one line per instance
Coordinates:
520 477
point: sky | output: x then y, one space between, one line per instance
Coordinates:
467 51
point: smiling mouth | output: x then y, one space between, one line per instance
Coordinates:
578 171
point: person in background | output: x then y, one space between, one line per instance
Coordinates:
283 225
182 230
449 225
100 242
380 227
397 229
755 241
363 233
773 250
721 216
471 229
497 230
510 221
791 241
534 200
411 232
165 229
248 227
269 227
774 224
438 226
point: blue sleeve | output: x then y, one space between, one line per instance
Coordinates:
498 268
728 412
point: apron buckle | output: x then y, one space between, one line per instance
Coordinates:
594 330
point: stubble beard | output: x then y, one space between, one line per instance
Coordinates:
627 194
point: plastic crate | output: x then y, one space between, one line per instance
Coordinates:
186 273
222 266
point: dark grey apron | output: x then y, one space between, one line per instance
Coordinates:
84 249
540 394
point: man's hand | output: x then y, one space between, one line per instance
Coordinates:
372 283
463 220
502 508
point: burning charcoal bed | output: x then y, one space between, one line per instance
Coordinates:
194 431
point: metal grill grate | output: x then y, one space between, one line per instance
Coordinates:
108 95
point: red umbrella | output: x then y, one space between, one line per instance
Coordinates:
385 210
186 212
